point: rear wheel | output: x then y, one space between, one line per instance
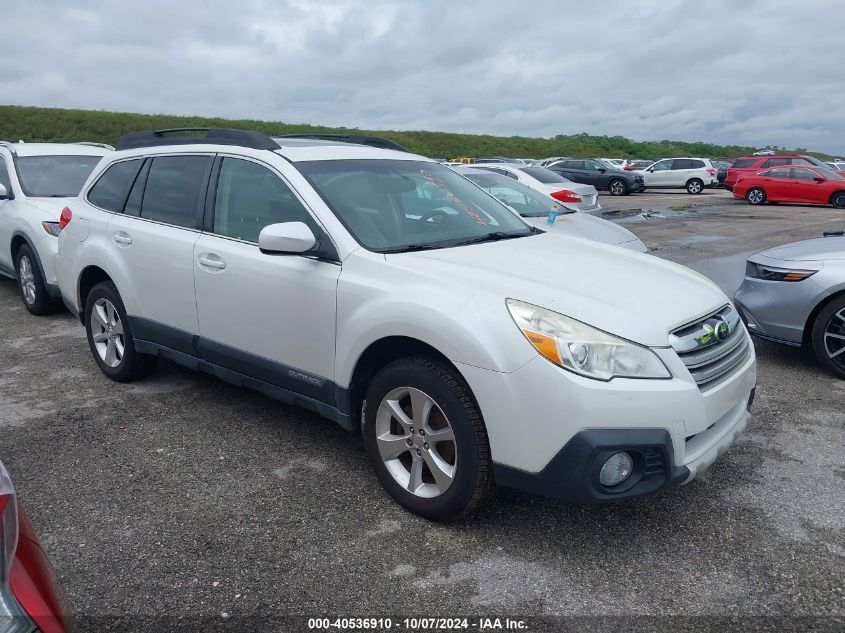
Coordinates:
695 186
31 283
617 187
829 337
110 336
425 439
755 195
838 200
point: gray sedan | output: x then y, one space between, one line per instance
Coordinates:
795 294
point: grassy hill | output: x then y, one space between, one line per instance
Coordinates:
55 124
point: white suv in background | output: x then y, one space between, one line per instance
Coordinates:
692 174
36 181
395 297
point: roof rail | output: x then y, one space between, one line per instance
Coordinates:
9 146
92 144
372 141
213 136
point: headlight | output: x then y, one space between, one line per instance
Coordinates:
582 349
771 273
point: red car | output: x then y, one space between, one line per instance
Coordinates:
813 185
748 165
29 595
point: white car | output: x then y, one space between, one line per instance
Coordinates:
534 208
551 184
36 181
398 299
692 174
618 163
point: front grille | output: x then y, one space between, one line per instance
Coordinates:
710 358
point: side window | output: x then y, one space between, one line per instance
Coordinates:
174 189
681 163
249 197
774 162
776 173
803 174
574 164
4 176
110 190
593 165
799 161
663 165
696 164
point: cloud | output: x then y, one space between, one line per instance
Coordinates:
749 73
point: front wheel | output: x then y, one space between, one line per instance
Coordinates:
31 283
838 200
110 336
425 439
756 196
695 186
828 337
617 187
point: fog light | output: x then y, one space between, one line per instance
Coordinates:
616 469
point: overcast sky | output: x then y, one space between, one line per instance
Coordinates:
729 71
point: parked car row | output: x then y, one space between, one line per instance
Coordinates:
401 299
774 179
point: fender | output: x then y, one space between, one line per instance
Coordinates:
93 253
52 289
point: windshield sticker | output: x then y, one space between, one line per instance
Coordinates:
452 197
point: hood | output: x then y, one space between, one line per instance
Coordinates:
51 206
585 226
819 249
635 296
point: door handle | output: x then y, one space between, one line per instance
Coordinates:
122 237
210 260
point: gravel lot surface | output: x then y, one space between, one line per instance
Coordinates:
185 496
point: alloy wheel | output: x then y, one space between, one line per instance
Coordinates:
617 188
834 338
26 276
416 442
755 196
694 187
107 332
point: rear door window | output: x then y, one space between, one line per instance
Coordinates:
175 188
743 163
681 163
776 173
111 189
799 161
774 162
574 164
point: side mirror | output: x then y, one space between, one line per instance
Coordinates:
290 238
817 179
602 170
4 194
650 169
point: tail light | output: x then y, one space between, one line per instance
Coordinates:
65 218
13 619
711 171
565 195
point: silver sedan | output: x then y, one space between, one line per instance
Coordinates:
795 294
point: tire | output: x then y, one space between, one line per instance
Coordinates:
838 199
828 327
106 321
617 187
755 196
31 283
695 186
465 477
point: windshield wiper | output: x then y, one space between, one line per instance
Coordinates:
410 248
491 237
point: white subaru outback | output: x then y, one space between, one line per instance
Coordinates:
394 296
36 181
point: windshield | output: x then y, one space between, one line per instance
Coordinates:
526 201
396 205
546 176
54 176
831 175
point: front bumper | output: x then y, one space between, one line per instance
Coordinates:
777 310
636 187
548 427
